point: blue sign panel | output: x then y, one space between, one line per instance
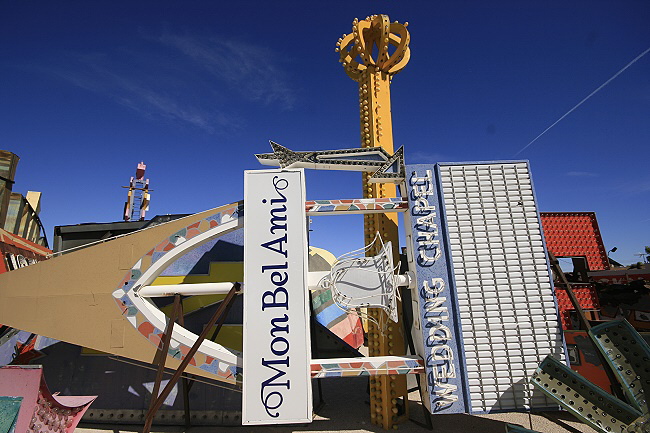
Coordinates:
437 322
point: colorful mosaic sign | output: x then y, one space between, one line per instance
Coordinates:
361 206
151 322
375 366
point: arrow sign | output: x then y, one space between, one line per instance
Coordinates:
386 167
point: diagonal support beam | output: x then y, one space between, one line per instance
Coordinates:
217 318
161 357
557 270
187 384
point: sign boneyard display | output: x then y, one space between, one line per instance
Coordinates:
482 296
483 305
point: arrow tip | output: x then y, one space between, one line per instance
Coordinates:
392 170
284 155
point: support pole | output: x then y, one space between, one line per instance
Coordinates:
366 59
408 322
162 357
314 350
187 385
217 318
555 266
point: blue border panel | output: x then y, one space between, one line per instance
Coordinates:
438 315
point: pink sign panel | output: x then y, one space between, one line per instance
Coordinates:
40 410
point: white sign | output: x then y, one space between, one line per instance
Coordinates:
505 292
277 383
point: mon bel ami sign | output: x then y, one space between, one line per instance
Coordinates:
277 384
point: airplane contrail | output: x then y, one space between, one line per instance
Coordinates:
585 99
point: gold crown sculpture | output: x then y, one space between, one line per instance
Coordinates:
357 49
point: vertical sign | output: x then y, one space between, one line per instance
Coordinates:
435 317
277 383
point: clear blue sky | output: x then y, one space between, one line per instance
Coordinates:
89 88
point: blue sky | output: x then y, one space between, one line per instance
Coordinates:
88 89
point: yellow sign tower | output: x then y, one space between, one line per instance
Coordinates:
375 51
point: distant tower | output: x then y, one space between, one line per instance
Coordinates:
137 202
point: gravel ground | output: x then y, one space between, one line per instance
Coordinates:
346 410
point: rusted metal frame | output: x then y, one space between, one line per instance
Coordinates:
217 318
555 266
187 385
162 357
227 303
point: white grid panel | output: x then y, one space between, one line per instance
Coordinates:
505 295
